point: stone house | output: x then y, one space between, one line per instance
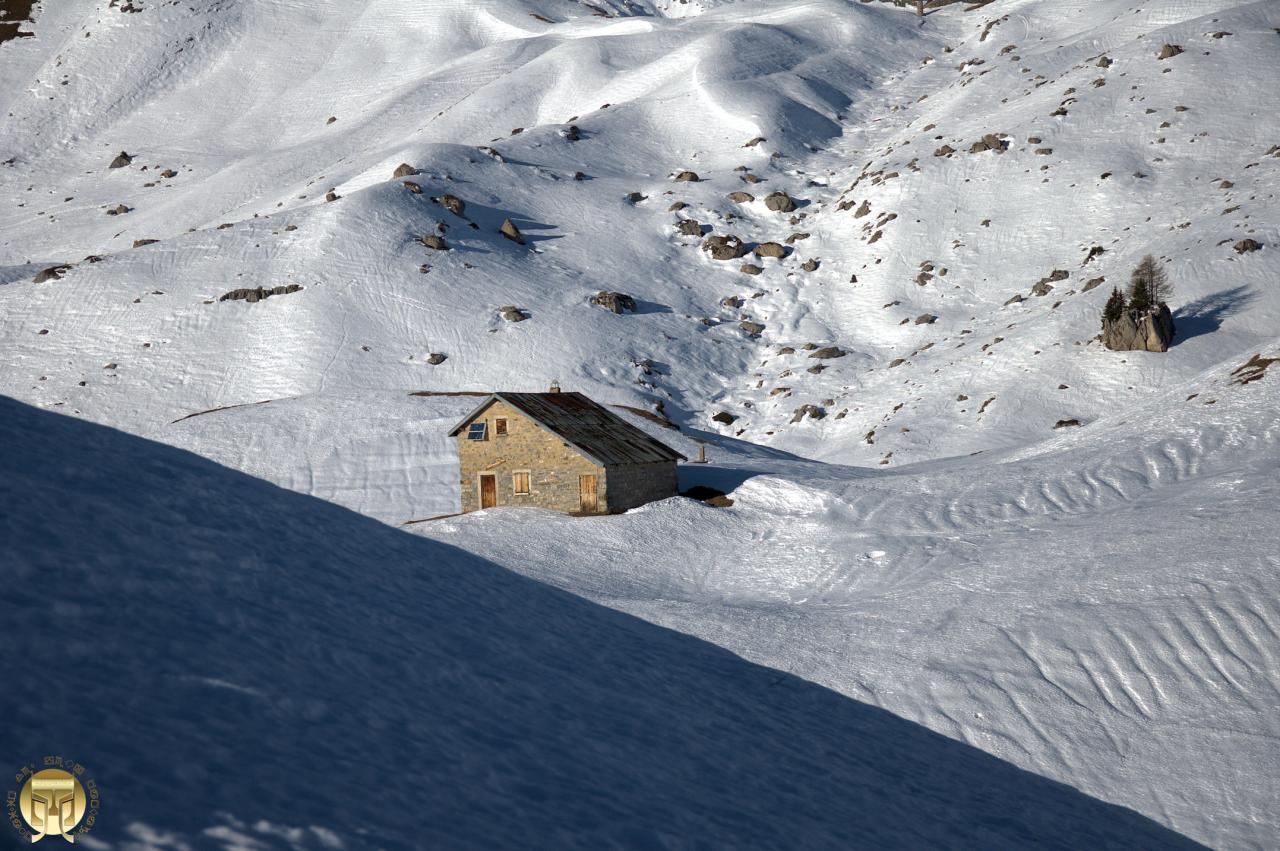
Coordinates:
560 451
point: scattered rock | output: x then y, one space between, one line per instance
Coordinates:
415 188
756 141
689 227
434 242
688 177
897 362
511 232
828 352
1045 285
436 358
810 265
1244 246
732 301
780 202
1252 369
727 247
677 207
332 119
511 313
724 417
258 293
863 210
1169 51
614 302
741 197
636 197
752 328
403 170
571 133
53 273
168 174
453 204
138 243
770 249
750 269
926 319
122 160
810 411
989 142
796 237
331 196
944 151
1092 283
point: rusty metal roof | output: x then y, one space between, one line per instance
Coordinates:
593 429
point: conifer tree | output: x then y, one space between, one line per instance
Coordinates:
1115 307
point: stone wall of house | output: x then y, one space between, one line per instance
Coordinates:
553 465
632 485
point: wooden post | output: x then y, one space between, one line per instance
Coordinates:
702 453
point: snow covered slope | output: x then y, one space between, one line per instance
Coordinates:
240 666
1095 605
234 99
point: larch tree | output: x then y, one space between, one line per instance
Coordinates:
1149 286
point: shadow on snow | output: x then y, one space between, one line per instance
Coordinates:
230 658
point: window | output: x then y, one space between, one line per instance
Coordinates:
477 431
520 482
500 426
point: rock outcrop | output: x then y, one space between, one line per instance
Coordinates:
1140 331
259 293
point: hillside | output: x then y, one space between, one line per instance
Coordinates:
234 98
1093 604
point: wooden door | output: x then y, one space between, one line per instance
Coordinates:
587 489
488 490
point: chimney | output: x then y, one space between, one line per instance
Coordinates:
555 387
